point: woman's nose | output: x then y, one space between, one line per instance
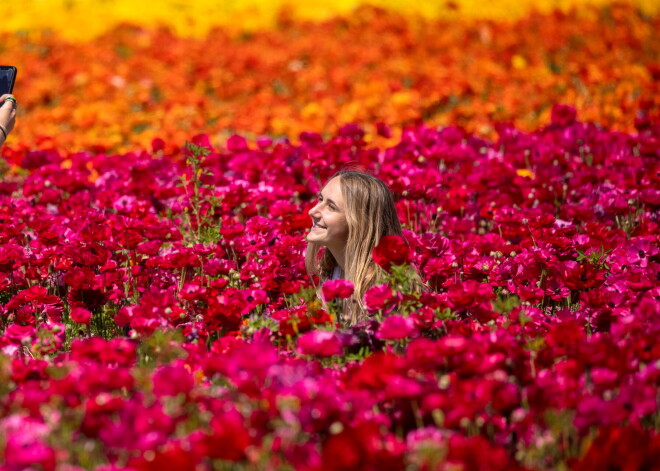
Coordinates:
314 211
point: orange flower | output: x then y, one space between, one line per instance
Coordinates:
123 89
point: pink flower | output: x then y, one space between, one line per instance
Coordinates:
396 328
640 250
18 333
322 343
25 447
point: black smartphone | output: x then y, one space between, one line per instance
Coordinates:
7 78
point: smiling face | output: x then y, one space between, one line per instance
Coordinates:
329 226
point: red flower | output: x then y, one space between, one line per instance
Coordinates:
157 144
391 250
337 289
477 453
563 115
582 276
81 315
362 447
229 438
383 130
175 457
622 447
343 452
469 293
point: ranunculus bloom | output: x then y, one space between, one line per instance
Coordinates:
468 293
81 315
640 250
237 143
25 447
343 451
229 437
381 297
17 333
157 144
396 328
172 380
391 250
337 289
562 115
383 130
322 343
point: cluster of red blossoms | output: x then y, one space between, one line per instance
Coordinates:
155 311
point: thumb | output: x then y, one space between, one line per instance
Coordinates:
7 97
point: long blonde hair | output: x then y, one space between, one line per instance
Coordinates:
370 215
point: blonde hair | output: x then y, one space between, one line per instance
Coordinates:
370 215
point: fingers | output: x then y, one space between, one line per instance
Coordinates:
8 100
8 111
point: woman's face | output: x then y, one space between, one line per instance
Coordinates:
329 226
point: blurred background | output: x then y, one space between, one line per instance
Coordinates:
115 75
87 18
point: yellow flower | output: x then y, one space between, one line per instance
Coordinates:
518 62
197 17
525 173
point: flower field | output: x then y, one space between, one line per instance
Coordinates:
155 312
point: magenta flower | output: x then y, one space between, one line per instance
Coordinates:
25 445
19 333
172 380
381 297
396 328
639 252
237 143
321 343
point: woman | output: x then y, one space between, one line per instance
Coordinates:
7 116
353 212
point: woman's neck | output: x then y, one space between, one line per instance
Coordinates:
339 256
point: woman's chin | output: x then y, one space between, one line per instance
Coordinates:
314 237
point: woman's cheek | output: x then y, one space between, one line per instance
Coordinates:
344 229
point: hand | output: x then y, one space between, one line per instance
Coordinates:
7 114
